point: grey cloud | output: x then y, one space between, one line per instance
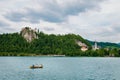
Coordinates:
3 24
52 11
7 30
116 28
15 16
46 15
83 6
5 27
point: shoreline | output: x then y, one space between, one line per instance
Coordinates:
10 54
62 56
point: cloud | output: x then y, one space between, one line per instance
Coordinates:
16 16
92 19
51 10
3 24
48 29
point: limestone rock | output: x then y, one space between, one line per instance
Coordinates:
29 34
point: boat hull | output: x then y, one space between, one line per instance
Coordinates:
36 67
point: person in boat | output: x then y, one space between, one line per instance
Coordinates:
33 65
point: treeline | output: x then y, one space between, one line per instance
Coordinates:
103 52
12 43
15 45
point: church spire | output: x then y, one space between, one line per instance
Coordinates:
95 47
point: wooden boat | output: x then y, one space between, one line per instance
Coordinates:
36 66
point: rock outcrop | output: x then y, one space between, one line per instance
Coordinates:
29 34
83 46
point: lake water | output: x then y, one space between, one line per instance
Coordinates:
60 68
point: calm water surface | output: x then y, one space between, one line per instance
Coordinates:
60 68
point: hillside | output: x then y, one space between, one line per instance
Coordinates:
42 44
105 44
31 42
118 43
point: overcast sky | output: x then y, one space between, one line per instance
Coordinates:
92 19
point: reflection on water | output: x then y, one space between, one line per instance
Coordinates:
59 68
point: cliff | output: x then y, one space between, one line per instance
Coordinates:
29 34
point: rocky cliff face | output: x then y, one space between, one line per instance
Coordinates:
29 34
83 46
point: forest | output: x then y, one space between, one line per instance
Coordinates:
50 44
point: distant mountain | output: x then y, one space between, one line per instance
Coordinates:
118 43
105 44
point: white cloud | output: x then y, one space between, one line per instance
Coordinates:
49 10
92 19
99 25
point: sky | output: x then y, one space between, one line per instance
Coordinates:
92 19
